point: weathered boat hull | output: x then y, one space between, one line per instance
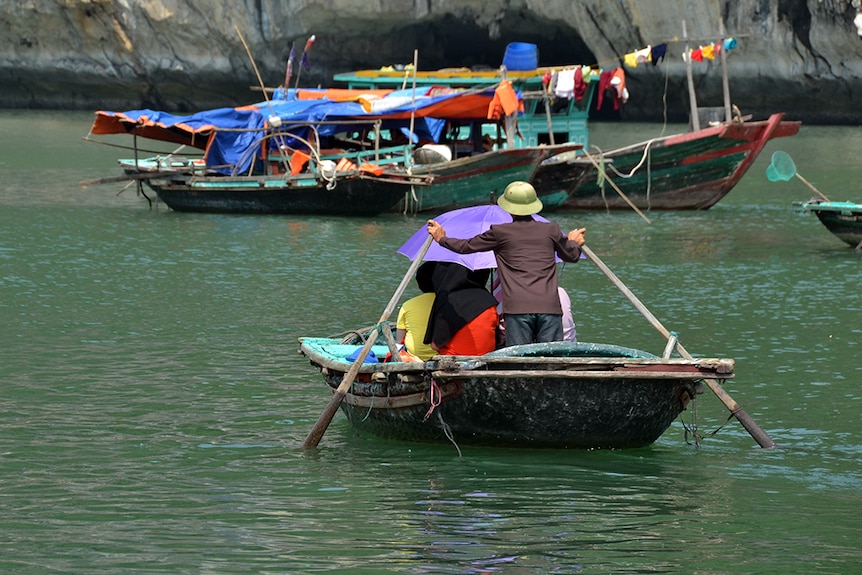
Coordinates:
559 395
472 180
464 182
691 171
557 178
843 219
351 196
551 411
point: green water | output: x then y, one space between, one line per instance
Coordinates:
153 401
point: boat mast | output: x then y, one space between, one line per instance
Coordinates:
412 109
692 98
510 118
724 83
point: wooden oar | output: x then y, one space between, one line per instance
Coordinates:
123 178
316 433
760 436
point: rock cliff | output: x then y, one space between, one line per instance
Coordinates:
797 56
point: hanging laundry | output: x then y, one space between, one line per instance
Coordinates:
708 52
604 83
505 101
657 53
580 85
565 84
612 81
730 43
641 56
644 55
696 55
619 83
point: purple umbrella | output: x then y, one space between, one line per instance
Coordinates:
462 223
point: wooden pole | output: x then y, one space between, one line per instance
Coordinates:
692 97
316 433
747 422
509 120
407 161
812 188
725 85
282 154
548 118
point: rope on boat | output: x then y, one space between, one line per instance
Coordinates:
434 399
447 431
370 406
691 431
602 175
646 157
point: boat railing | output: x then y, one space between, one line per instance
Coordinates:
718 364
280 133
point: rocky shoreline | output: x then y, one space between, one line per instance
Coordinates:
802 58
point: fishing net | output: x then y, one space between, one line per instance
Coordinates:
781 168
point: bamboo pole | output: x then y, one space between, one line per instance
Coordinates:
725 84
811 187
692 97
282 154
316 433
760 436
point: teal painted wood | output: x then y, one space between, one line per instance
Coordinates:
471 181
843 219
568 121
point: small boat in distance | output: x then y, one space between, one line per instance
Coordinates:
843 219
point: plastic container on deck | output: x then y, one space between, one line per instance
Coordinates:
521 56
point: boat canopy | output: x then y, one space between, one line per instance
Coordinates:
292 119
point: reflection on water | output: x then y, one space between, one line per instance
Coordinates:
154 401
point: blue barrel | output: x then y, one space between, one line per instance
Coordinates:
521 56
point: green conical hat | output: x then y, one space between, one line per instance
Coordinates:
519 199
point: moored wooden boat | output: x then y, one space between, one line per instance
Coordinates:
353 195
541 124
559 395
688 171
305 153
843 219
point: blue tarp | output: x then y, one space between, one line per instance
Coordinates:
232 136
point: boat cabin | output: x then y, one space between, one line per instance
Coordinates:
547 118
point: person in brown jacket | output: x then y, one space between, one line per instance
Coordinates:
526 251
